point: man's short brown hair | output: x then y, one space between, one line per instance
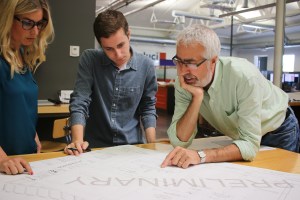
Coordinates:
108 23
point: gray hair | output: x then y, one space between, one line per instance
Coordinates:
203 35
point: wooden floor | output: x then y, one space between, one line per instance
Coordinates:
162 124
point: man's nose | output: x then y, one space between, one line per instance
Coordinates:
182 69
118 53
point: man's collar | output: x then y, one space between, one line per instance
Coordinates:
132 61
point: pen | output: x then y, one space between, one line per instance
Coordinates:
75 149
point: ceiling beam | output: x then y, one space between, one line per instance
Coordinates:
142 8
255 8
248 21
115 5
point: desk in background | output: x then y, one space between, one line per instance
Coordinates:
47 114
61 110
295 105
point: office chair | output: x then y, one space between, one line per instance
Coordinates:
61 129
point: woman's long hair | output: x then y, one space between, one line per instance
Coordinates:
34 54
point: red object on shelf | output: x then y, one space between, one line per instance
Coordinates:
161 98
162 56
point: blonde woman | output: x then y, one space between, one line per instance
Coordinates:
25 31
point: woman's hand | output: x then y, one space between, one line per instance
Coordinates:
13 166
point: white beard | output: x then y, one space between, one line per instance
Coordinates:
203 82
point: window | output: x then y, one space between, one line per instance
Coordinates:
288 63
261 62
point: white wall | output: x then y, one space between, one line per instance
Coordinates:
170 50
153 50
250 53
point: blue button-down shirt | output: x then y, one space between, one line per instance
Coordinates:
111 103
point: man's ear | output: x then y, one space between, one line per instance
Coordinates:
128 34
99 42
214 60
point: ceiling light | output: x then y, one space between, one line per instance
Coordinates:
177 13
251 28
250 14
257 27
177 20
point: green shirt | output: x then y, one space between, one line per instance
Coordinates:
241 103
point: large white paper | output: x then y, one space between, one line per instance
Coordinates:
129 172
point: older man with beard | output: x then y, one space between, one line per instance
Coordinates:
232 95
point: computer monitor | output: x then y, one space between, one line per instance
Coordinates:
271 77
296 80
289 78
286 78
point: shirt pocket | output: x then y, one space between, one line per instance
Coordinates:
129 97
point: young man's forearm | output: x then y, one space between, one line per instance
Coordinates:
150 135
77 133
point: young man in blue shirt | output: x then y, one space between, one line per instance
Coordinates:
114 92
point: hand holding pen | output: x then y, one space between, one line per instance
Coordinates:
76 148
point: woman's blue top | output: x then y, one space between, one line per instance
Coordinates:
18 111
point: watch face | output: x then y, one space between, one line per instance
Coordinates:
202 156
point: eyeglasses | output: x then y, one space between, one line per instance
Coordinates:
179 62
28 24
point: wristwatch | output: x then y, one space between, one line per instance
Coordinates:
202 156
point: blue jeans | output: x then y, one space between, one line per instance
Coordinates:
286 136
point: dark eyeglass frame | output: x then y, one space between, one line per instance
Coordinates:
177 61
28 24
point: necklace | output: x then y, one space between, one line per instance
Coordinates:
22 70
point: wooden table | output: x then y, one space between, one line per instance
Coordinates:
278 159
54 110
294 103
